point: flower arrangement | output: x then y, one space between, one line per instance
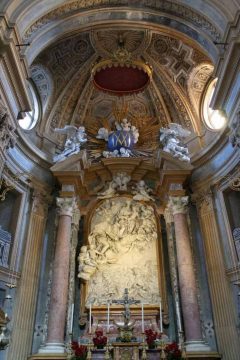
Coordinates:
79 351
99 339
173 352
151 337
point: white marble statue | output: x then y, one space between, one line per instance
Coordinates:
76 136
109 192
118 183
103 134
121 252
171 140
142 192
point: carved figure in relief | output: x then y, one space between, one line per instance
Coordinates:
142 192
171 141
109 192
118 183
123 232
75 138
87 266
7 132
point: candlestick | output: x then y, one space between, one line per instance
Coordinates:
142 318
71 320
90 318
178 316
160 316
108 316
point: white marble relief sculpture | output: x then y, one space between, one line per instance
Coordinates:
121 252
171 139
118 183
76 136
142 192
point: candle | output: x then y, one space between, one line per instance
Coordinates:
108 315
71 320
142 319
90 318
178 316
160 316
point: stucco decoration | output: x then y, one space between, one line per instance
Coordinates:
235 136
43 81
121 253
165 6
7 130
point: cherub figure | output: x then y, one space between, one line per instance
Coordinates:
75 138
170 138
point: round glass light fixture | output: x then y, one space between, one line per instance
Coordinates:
214 119
31 117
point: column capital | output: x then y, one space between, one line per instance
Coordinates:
168 215
178 204
203 200
41 200
66 206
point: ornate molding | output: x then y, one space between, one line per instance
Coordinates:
76 216
66 206
168 215
41 201
204 201
178 204
167 7
234 138
7 130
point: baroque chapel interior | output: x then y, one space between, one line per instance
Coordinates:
119 179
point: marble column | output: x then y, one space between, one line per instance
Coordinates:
60 280
168 216
225 316
187 280
71 293
26 300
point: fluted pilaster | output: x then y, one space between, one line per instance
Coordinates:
24 311
225 319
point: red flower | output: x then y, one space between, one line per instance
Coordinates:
173 351
151 336
80 351
99 339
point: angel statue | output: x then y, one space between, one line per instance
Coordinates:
171 139
76 136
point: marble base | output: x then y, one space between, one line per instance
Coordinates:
48 357
52 348
196 346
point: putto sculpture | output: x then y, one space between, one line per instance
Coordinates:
119 141
76 136
171 139
118 183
